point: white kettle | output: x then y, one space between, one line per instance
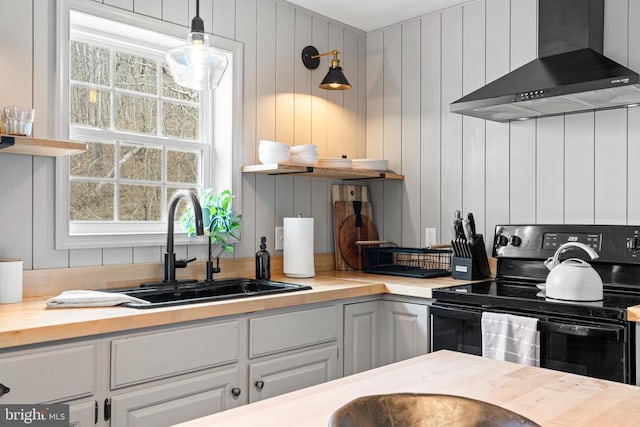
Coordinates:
573 279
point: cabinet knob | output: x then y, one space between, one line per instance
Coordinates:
235 392
4 389
259 385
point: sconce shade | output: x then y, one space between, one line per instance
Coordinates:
197 65
335 78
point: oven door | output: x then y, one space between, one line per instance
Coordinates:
599 350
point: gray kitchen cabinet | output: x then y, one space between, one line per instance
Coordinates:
176 401
60 373
82 414
281 375
405 330
57 373
173 374
362 336
292 349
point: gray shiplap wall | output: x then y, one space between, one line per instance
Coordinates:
567 169
281 100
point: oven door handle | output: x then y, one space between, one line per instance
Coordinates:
456 313
591 331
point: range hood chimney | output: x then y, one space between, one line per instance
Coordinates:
570 74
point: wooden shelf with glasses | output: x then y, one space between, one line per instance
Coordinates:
320 172
14 144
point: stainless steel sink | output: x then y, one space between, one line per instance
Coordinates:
164 295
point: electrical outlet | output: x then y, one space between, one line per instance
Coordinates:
279 239
430 237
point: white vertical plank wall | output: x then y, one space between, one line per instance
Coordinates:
430 93
574 168
473 129
281 100
498 47
410 135
404 77
451 142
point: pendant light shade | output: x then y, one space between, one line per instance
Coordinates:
335 78
197 65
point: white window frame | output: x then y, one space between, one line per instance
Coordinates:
224 158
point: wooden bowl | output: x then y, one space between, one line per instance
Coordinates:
412 410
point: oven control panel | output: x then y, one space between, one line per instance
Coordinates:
555 240
613 243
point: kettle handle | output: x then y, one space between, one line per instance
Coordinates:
576 261
551 263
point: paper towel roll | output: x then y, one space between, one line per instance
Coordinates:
10 280
297 247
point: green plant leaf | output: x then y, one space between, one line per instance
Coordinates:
223 222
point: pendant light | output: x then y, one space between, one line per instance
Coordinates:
197 65
335 78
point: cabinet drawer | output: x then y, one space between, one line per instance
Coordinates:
48 376
143 358
293 372
281 332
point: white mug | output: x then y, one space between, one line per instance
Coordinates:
10 280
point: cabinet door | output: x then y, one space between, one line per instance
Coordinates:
361 336
284 374
82 414
175 402
404 331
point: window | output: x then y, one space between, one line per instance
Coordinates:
146 136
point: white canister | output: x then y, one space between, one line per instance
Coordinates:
297 247
10 280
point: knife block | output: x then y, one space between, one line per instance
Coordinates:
471 268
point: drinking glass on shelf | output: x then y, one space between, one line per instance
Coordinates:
18 121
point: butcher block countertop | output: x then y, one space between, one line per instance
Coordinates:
30 322
549 398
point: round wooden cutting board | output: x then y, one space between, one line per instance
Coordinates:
349 234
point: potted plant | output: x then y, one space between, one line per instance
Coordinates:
220 224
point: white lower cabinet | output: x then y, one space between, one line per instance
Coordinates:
362 336
405 331
83 414
176 401
281 375
380 332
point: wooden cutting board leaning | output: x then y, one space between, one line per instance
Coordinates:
352 222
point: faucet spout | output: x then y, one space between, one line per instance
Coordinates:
170 256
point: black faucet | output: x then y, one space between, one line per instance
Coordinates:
170 262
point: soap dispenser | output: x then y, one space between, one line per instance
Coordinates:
263 261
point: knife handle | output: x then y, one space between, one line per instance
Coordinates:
472 223
466 227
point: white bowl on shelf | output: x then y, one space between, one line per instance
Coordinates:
268 157
267 145
304 159
307 148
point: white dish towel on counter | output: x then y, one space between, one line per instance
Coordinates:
510 338
81 298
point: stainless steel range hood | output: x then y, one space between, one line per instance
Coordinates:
570 75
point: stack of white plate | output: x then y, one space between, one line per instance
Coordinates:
304 154
273 152
371 164
334 162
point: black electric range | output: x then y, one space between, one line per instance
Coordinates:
588 338
528 298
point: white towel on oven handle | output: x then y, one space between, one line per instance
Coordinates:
510 338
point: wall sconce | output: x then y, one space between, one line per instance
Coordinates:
335 79
197 65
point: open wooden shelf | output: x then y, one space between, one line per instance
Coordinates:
304 170
14 144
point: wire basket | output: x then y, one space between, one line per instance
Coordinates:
410 262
